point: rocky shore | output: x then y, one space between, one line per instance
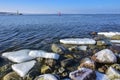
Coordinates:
95 58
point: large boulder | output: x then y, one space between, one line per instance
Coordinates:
18 56
23 68
83 74
105 56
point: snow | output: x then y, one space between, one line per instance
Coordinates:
43 54
78 41
109 34
23 68
18 56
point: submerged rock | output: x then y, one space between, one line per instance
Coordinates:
83 74
67 62
46 77
87 63
57 48
23 68
43 54
78 41
105 56
115 37
18 56
12 76
113 74
78 48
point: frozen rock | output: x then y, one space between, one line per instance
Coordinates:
23 68
101 76
116 37
109 34
46 77
78 48
87 63
43 54
105 56
83 74
115 41
113 73
78 41
18 56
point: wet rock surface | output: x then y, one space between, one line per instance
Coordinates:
76 59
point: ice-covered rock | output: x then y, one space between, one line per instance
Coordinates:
78 41
23 68
101 76
105 56
83 74
113 73
46 77
115 41
18 56
109 34
43 54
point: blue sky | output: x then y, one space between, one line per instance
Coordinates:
63 6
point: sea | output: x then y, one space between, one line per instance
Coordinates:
40 31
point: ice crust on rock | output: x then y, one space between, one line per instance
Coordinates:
23 68
18 56
109 34
43 54
115 41
78 41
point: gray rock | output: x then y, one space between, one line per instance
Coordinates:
67 62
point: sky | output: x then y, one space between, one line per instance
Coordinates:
63 6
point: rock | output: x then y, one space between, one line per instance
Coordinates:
101 43
113 74
101 76
103 69
5 69
87 63
67 62
50 62
116 66
46 77
18 56
99 37
83 74
78 48
115 48
105 56
78 41
109 34
43 54
12 76
115 37
61 69
93 33
58 48
23 68
45 69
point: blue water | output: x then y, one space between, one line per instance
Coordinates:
39 31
